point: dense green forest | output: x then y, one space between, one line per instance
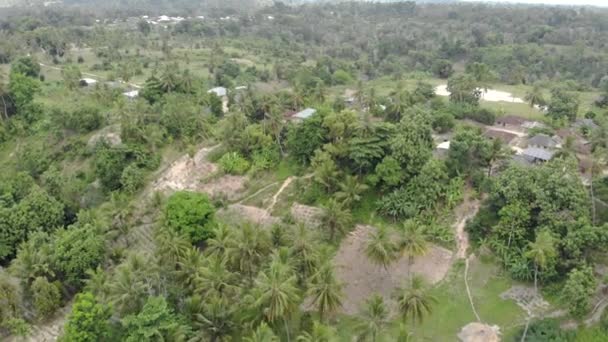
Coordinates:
178 171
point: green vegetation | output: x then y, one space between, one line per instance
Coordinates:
144 206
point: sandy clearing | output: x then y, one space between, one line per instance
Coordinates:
252 214
188 173
362 278
310 216
490 95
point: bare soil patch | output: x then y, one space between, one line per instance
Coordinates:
310 216
196 174
478 332
362 278
528 299
248 213
109 134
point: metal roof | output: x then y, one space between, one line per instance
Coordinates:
538 153
305 114
218 91
542 140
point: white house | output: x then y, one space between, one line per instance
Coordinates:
133 94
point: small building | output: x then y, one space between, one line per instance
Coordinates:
131 95
444 146
87 82
222 93
218 91
537 155
303 115
510 121
543 141
505 137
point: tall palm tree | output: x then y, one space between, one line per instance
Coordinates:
171 247
414 302
216 320
263 333
186 82
188 268
248 248
319 333
496 153
276 294
350 191
215 278
126 291
541 251
3 96
326 291
221 240
303 251
535 97
275 122
335 218
374 318
168 80
380 249
412 242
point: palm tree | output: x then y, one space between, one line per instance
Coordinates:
168 81
326 291
276 294
3 96
374 318
350 191
248 248
219 243
262 334
415 302
303 252
412 242
319 333
188 268
335 218
275 121
535 97
126 292
380 250
216 320
497 152
215 278
186 82
171 247
96 282
541 251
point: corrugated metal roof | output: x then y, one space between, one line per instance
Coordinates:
218 91
305 114
538 153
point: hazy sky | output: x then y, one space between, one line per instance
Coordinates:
555 2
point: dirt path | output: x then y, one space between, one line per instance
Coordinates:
276 196
467 210
596 314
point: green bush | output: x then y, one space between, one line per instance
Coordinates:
47 297
233 163
191 214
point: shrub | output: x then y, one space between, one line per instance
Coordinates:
190 214
132 178
46 295
233 163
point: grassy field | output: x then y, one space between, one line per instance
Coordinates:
453 310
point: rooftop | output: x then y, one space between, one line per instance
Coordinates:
444 146
542 140
218 91
305 114
537 154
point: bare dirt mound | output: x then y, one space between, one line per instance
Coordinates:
310 216
478 332
195 174
252 214
362 278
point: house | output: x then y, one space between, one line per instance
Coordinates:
533 125
585 124
537 155
131 95
543 141
510 121
222 93
303 115
506 137
444 145
87 82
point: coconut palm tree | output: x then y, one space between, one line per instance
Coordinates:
188 267
325 291
276 294
414 302
535 97
3 96
380 249
168 80
350 191
171 247
215 278
216 320
246 251
303 252
219 243
542 251
412 242
335 218
319 333
374 318
273 119
263 333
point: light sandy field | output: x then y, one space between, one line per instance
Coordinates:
489 95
